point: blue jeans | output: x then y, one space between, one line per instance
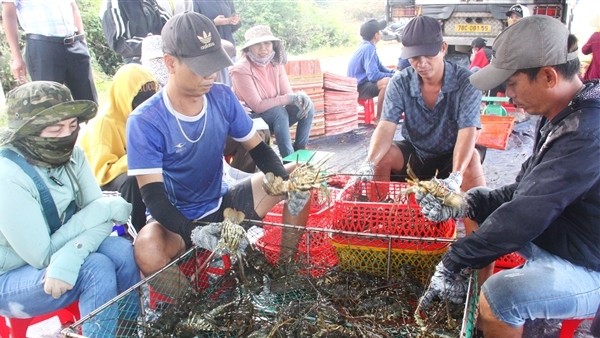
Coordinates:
280 119
545 287
104 274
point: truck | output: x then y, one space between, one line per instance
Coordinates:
464 20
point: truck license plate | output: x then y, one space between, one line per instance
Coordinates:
472 28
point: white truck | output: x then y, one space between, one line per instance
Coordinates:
464 20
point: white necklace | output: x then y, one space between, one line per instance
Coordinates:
170 107
185 135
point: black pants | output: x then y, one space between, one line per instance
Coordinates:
128 187
67 64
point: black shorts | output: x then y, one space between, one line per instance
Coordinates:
367 90
426 168
239 197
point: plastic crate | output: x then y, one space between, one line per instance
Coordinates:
314 247
402 236
384 208
495 131
509 261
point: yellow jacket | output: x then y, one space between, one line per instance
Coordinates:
104 139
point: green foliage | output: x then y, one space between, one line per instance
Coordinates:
8 81
104 57
302 25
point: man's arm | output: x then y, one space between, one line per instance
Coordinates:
77 18
381 141
374 68
464 148
9 22
265 158
155 197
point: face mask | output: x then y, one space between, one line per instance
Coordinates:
261 61
47 151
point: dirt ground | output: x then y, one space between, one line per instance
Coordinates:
500 166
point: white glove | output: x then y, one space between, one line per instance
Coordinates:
297 200
445 285
366 171
432 207
56 287
207 236
454 181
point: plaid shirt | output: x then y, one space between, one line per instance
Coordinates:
48 17
433 132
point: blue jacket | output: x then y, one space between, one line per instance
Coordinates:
365 65
555 201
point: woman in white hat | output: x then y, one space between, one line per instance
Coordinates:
55 225
259 79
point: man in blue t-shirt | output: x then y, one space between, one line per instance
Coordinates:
365 67
175 148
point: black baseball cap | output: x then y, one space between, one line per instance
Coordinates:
478 42
517 9
422 37
194 39
371 27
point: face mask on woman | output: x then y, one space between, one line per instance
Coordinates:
47 151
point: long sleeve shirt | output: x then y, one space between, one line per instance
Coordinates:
592 46
24 232
555 201
260 87
365 65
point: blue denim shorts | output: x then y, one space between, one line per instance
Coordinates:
545 287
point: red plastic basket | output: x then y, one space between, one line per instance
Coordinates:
385 208
509 261
495 131
315 246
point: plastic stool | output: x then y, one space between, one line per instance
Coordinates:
66 315
569 326
4 329
369 107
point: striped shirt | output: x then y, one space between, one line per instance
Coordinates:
47 17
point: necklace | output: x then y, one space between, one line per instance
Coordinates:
185 135
170 107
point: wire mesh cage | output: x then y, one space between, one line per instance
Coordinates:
202 296
358 269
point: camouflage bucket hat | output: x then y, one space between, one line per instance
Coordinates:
36 105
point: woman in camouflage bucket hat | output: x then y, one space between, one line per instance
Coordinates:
70 252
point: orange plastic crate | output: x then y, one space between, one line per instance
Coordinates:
384 208
495 131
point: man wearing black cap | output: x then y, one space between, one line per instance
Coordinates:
365 67
175 149
441 115
551 212
516 13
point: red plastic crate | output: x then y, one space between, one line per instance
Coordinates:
509 261
385 208
316 246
